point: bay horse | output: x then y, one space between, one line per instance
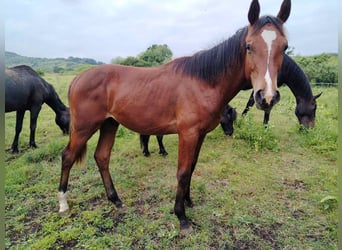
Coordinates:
26 90
227 119
185 96
294 77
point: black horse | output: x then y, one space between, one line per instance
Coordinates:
227 119
26 90
294 77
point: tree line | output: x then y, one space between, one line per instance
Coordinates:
322 68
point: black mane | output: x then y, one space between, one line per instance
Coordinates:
209 65
295 78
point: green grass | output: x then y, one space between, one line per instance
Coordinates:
263 188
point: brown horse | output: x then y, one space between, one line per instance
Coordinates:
185 96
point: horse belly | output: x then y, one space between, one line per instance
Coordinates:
145 119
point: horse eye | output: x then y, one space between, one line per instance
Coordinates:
249 48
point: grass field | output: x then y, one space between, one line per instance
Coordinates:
272 188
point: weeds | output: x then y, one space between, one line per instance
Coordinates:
257 136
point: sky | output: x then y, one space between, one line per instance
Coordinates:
106 29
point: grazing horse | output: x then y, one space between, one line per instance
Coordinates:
185 96
294 77
227 119
26 90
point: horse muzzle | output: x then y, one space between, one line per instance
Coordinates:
266 102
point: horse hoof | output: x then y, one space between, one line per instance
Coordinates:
163 153
186 230
146 154
119 204
64 213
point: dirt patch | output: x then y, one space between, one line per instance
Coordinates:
261 235
66 244
295 184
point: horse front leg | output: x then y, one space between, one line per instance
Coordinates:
33 125
162 150
18 128
102 156
188 201
266 117
249 104
188 151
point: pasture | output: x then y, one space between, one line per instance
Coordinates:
262 188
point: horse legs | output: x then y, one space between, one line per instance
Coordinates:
162 150
102 156
249 104
144 144
74 151
266 117
33 124
188 151
18 128
188 201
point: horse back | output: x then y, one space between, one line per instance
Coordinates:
24 88
146 100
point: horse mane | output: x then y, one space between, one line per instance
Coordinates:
263 20
294 77
210 64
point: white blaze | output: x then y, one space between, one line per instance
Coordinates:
269 36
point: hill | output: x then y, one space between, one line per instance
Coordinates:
55 65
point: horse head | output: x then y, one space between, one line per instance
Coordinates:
265 47
306 111
63 120
227 119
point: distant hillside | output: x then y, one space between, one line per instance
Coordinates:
56 65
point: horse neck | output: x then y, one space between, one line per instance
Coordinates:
54 102
294 77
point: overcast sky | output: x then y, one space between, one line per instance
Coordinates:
105 29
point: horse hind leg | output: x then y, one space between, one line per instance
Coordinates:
75 151
144 139
102 157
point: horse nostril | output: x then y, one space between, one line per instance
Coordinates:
259 97
276 97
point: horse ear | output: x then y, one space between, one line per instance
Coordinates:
316 96
254 12
284 11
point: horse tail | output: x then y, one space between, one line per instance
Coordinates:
81 156
81 151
